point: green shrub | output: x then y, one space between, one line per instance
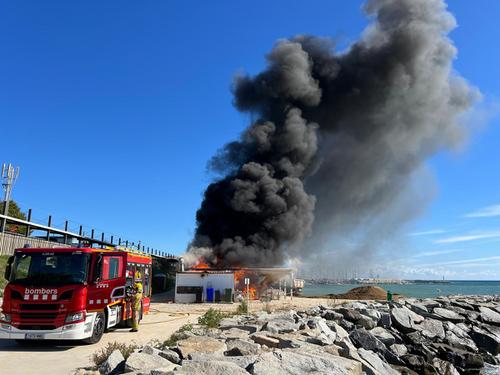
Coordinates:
177 335
242 308
211 319
100 356
172 340
185 327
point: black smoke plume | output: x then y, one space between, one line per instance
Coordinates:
337 135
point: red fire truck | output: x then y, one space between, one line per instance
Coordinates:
71 293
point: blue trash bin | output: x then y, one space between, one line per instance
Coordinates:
210 294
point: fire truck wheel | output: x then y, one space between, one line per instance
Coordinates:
98 329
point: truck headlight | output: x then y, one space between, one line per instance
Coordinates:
75 317
7 318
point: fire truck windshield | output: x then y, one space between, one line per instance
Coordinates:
50 268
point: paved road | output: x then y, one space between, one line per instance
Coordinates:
61 358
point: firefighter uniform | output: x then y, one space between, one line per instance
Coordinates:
136 302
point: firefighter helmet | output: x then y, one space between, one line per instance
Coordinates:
138 276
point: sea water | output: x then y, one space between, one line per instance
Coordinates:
418 290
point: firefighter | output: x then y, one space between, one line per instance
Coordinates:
136 302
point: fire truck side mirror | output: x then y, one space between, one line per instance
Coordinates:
8 269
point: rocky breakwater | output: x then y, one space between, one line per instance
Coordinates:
430 336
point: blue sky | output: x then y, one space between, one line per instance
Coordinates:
112 109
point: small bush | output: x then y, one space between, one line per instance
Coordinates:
185 328
172 340
177 335
242 308
100 356
211 319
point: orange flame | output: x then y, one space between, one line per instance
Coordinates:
201 265
239 283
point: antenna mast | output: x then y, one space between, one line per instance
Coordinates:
9 176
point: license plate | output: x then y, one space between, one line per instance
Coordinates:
34 336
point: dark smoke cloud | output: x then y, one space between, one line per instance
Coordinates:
337 139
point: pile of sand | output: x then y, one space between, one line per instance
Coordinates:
363 292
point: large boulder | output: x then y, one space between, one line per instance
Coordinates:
399 349
331 315
165 370
319 339
430 303
489 316
200 344
213 367
444 367
383 335
418 308
323 327
404 319
171 355
432 328
235 333
141 361
372 313
349 314
464 343
280 326
459 358
485 340
340 333
242 361
415 362
262 339
449 315
361 338
377 366
279 363
462 304
385 320
366 322
114 364
240 347
228 323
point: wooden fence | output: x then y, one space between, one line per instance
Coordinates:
10 242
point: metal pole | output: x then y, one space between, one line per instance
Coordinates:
9 175
66 229
248 297
49 224
111 240
28 227
80 235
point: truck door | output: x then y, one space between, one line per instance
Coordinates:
108 281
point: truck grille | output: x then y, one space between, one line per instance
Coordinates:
39 306
38 315
32 327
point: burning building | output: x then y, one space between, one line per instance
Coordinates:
203 283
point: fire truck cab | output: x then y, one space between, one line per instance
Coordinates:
71 293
